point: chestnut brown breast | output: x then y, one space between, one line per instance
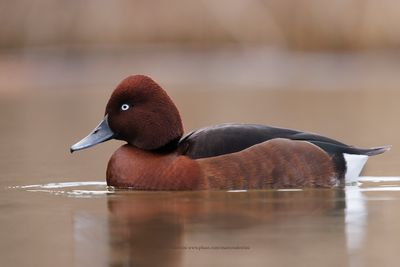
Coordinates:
130 167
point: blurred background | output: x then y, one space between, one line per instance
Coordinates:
329 67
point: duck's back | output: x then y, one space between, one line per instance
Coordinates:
229 138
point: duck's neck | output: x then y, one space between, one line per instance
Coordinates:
168 148
130 167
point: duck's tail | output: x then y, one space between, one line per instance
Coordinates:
338 148
354 158
355 161
368 151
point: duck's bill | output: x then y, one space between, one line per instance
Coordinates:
100 134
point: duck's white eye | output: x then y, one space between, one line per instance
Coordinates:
124 107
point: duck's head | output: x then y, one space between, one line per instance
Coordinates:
139 112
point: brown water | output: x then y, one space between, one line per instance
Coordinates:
57 211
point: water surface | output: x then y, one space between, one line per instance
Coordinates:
86 223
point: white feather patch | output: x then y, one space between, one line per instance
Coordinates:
355 164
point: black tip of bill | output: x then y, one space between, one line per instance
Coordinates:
100 134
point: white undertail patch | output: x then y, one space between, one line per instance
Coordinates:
355 164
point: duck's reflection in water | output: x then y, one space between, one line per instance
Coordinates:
167 228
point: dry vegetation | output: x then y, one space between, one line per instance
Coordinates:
295 24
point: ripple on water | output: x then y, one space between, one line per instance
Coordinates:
379 184
70 189
100 188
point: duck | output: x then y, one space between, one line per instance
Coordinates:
231 156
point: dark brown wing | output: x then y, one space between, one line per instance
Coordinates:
229 138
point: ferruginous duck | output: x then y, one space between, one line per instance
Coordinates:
228 156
